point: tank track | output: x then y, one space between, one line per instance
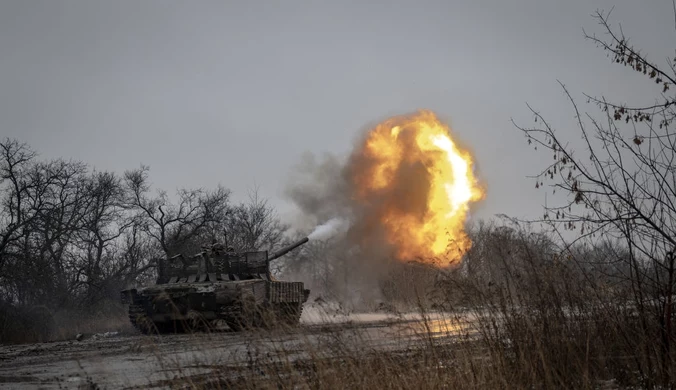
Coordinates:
233 316
139 319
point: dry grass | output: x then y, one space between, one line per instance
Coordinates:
483 349
493 344
544 344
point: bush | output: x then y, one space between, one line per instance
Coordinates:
22 324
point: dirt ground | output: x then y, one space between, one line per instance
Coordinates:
114 360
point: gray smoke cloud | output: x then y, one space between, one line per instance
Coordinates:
317 186
336 264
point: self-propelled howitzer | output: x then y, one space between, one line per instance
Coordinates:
217 283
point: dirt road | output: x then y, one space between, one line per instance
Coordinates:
134 361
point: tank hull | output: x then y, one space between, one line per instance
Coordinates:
196 306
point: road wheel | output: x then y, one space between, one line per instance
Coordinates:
140 320
194 322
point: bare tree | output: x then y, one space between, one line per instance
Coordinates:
16 158
71 238
254 225
97 246
174 226
622 186
44 265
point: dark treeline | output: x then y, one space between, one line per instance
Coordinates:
71 237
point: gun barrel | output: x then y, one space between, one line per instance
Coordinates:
288 249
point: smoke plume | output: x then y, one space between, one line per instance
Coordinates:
329 229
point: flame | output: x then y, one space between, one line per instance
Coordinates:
418 184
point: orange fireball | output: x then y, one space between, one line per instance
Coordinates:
415 181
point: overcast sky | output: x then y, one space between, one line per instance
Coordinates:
208 92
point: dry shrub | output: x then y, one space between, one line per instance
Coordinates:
548 321
22 324
107 316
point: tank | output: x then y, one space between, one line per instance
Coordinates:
197 292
